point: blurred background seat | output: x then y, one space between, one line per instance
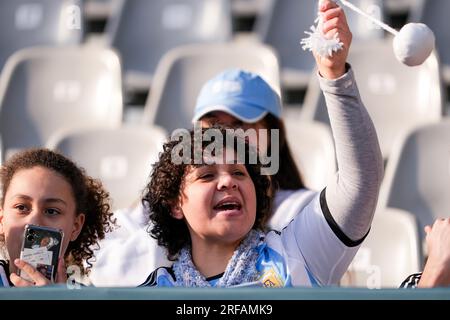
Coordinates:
143 31
417 176
283 24
397 97
388 255
312 147
183 71
27 23
43 90
394 7
434 13
121 158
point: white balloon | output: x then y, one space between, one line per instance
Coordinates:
413 44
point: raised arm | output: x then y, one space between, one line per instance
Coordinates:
351 197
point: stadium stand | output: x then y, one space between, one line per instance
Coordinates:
388 255
282 26
397 97
143 31
25 23
417 176
120 157
183 71
313 152
79 91
435 14
43 90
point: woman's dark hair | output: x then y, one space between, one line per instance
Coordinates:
90 199
288 176
166 184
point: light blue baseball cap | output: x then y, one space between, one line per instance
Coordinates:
242 94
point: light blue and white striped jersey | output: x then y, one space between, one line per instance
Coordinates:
309 251
4 272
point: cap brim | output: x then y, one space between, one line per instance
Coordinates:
244 113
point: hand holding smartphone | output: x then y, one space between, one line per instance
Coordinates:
41 248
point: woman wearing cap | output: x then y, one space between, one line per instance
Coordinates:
349 201
329 225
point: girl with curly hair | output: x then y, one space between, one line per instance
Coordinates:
211 217
42 187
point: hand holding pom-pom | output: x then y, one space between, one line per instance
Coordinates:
330 40
412 44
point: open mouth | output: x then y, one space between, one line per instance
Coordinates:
228 206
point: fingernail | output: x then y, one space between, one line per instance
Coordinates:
17 262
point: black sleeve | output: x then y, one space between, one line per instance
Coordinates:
412 281
334 226
152 279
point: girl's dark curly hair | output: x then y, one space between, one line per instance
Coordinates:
166 184
90 199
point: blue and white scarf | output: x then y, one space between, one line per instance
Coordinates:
240 269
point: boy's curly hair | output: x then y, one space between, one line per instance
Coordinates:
166 184
90 199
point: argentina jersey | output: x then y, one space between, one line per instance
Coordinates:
4 274
306 252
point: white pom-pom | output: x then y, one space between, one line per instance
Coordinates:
319 43
413 44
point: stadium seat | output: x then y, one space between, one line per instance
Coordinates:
184 70
248 7
397 97
43 90
282 27
395 7
143 31
120 157
312 147
417 176
389 253
435 14
25 23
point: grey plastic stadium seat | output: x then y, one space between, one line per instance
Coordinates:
248 7
417 177
43 90
27 23
312 147
184 70
120 157
389 253
283 24
144 31
397 97
401 6
100 9
434 13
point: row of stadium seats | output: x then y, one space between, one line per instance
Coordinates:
143 31
46 90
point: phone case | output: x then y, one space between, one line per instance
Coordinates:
41 248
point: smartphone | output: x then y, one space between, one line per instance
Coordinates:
41 248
